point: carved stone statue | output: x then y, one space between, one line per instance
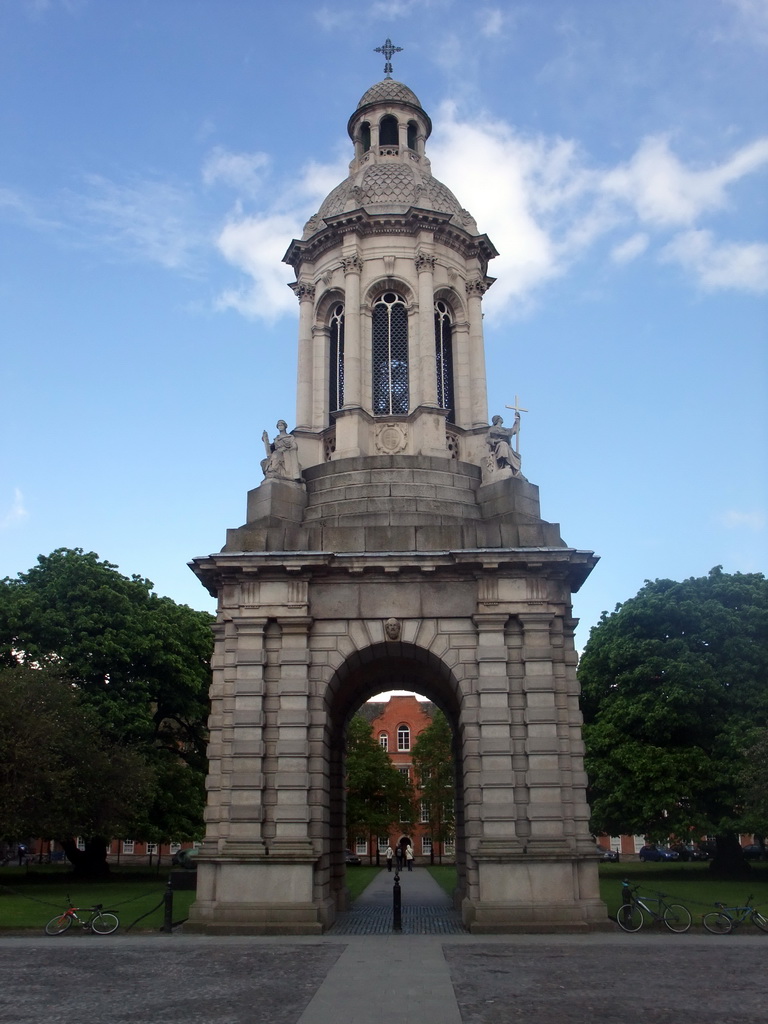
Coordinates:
282 454
392 629
498 439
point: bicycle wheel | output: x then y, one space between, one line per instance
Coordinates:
758 919
629 918
58 925
717 923
104 923
677 918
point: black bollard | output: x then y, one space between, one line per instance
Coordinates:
397 921
168 908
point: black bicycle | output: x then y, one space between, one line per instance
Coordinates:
723 920
635 909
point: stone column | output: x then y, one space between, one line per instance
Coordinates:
305 292
476 288
352 266
291 779
498 838
545 794
243 722
424 347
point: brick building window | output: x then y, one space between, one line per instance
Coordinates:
383 741
426 844
128 846
403 737
424 812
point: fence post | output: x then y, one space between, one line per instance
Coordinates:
397 922
168 908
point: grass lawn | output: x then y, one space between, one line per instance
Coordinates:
27 904
359 877
689 884
444 875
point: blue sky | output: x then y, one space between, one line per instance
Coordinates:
159 155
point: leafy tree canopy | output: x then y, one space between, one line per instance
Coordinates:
378 795
137 661
674 692
59 774
435 767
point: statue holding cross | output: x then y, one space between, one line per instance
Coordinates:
499 440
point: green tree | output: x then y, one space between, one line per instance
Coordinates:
59 774
674 692
436 771
378 795
138 661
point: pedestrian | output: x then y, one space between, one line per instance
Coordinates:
409 856
399 857
22 853
389 855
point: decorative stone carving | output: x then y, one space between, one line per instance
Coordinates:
501 454
477 286
391 438
282 459
452 444
352 264
389 265
304 290
392 629
425 261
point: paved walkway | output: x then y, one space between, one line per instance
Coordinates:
425 908
600 978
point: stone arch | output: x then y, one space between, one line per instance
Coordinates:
362 674
388 284
453 299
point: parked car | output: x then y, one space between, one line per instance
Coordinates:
753 851
186 859
611 855
351 858
654 853
690 851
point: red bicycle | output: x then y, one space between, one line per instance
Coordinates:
99 921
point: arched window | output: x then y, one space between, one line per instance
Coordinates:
444 359
383 741
388 131
336 375
365 136
413 129
403 737
390 355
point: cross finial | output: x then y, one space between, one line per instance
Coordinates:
388 49
517 410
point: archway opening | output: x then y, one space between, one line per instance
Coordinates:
368 673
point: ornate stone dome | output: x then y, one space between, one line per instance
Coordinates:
389 90
390 185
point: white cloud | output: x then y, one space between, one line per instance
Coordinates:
241 171
736 520
665 192
492 21
719 265
142 219
16 513
256 246
751 19
631 248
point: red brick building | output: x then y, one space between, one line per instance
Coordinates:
397 724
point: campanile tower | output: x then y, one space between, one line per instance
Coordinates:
394 542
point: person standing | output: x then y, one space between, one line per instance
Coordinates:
399 857
409 856
389 855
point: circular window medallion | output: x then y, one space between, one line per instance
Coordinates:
391 438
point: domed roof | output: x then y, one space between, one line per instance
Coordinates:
389 90
388 185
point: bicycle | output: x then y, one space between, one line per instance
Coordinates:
724 920
102 922
630 917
